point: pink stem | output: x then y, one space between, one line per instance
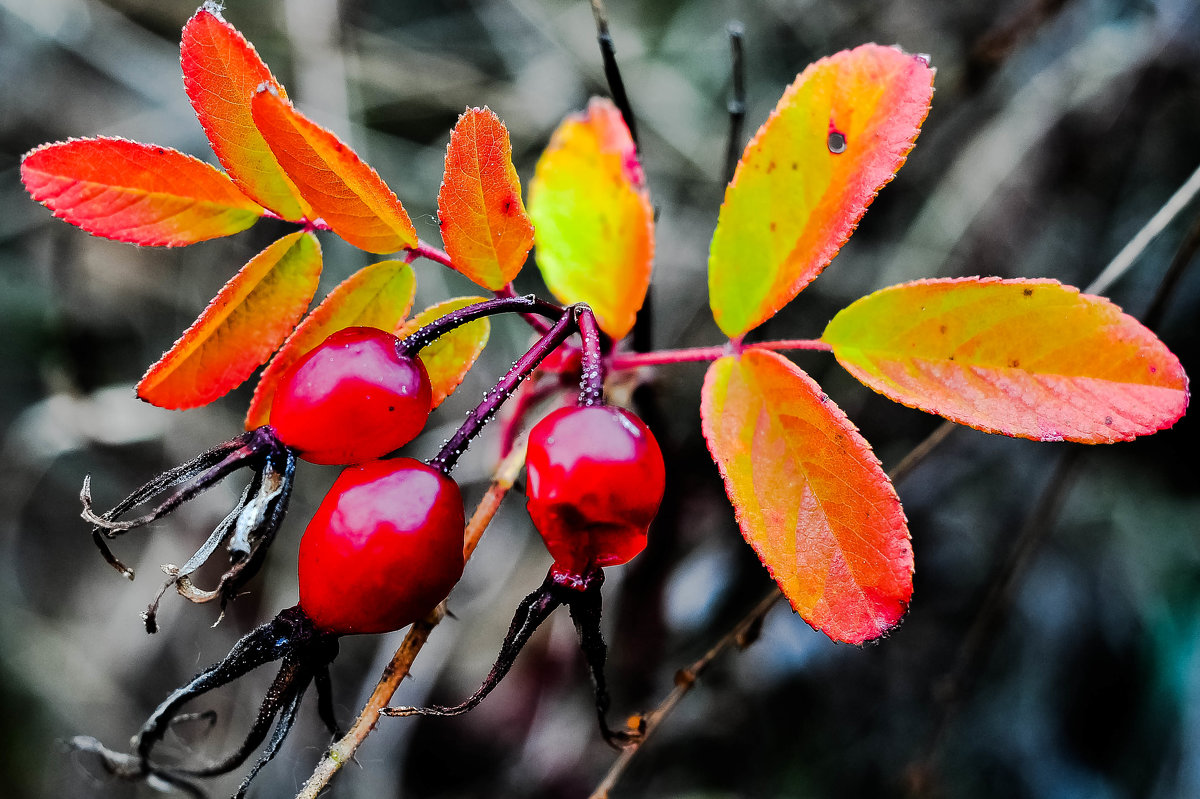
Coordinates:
632 360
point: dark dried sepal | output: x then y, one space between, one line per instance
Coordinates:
246 531
290 637
583 599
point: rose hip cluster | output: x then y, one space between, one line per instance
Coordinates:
385 546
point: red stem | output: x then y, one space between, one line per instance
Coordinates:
632 360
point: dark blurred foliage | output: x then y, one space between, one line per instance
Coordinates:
1058 129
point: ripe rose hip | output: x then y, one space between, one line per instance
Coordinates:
352 398
385 546
596 479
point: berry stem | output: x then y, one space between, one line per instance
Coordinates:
591 383
342 751
431 253
632 360
539 325
446 458
410 346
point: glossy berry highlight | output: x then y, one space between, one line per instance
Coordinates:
352 398
384 547
595 482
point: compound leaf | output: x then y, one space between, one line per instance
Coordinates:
1028 358
247 320
809 495
484 225
838 134
450 357
593 223
379 296
221 72
342 188
139 193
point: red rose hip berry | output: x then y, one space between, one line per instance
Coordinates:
385 546
595 481
351 399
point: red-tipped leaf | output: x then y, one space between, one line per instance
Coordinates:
593 222
247 320
1028 358
485 229
138 193
838 134
341 188
809 495
221 72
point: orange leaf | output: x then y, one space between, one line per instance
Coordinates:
593 223
1028 358
221 72
484 225
342 189
838 134
240 328
376 296
450 357
809 495
139 193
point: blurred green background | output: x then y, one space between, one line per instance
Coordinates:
1059 127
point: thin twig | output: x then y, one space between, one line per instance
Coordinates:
612 73
1130 252
952 689
1157 308
737 98
922 450
342 750
684 680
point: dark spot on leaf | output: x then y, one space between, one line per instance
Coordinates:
1027 292
942 330
770 167
391 408
1108 420
836 142
772 227
951 358
1153 369
795 166
507 206
1014 363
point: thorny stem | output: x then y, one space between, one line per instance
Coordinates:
431 253
342 751
539 325
591 384
448 456
737 99
422 338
